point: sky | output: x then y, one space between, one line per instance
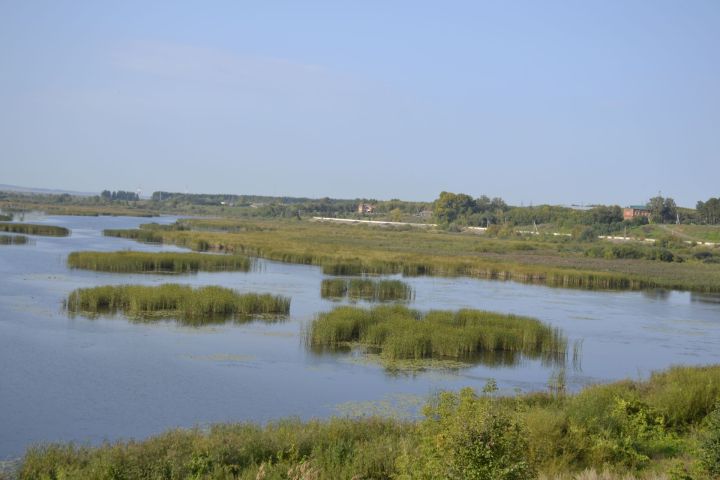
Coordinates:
561 102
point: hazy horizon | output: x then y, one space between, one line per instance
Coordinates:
552 102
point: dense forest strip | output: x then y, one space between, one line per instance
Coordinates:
157 262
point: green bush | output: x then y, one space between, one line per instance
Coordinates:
710 445
466 437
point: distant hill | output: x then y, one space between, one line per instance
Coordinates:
48 191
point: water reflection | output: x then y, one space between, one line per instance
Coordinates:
486 358
656 294
183 320
711 298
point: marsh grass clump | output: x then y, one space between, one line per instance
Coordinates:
13 239
366 289
141 235
34 229
399 333
157 262
190 305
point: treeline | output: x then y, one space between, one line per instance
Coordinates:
709 211
286 207
463 210
119 195
448 209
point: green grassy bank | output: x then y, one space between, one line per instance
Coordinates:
665 427
362 250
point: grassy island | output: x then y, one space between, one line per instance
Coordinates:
190 305
34 229
366 289
399 333
157 262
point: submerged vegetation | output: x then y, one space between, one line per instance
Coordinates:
157 262
190 305
665 427
399 333
366 289
13 239
34 229
365 250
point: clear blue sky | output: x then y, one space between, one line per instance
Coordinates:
535 101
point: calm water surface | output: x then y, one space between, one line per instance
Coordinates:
86 380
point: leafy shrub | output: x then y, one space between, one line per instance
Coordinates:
464 436
710 446
637 252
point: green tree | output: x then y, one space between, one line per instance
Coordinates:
662 210
710 211
451 207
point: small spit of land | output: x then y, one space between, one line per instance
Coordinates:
13 239
399 333
190 305
366 289
662 428
363 250
157 262
34 229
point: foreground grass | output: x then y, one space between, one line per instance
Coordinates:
665 427
358 250
399 333
187 304
157 262
366 289
13 239
34 229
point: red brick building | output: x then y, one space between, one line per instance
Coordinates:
635 211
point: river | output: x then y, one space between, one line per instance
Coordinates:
91 380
